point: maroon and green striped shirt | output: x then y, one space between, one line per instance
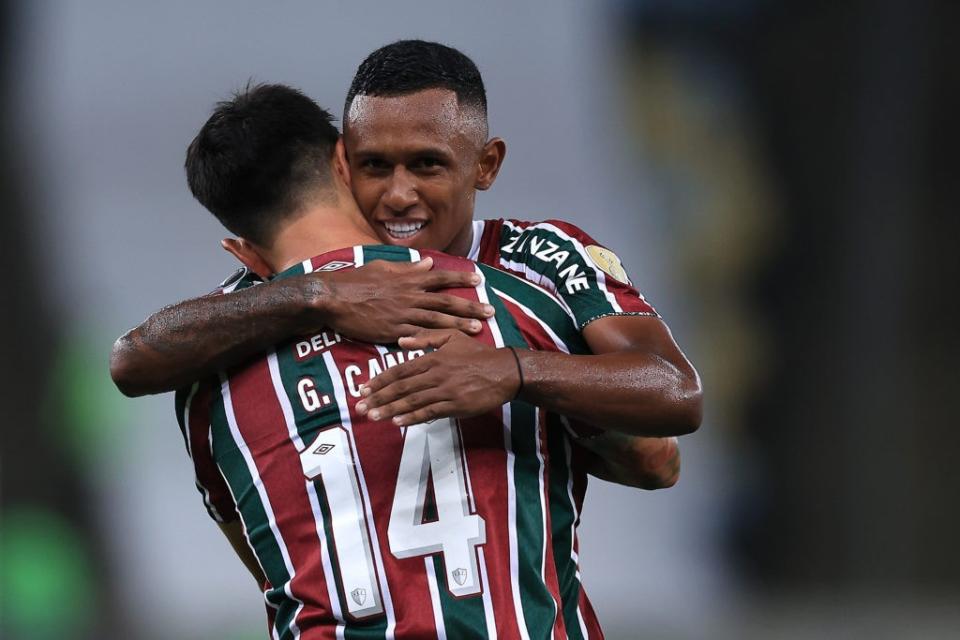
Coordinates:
364 529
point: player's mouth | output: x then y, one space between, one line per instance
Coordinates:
403 230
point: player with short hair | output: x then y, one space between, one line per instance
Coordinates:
363 528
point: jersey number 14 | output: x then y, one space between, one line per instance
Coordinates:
430 450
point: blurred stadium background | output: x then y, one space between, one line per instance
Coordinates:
777 176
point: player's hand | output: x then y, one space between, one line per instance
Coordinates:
382 301
462 378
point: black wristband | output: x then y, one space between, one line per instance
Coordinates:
519 371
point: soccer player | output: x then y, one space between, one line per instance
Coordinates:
357 527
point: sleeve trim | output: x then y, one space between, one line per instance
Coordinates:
652 314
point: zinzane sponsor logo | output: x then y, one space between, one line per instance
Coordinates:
573 275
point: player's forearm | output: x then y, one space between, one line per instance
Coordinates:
195 338
634 461
633 392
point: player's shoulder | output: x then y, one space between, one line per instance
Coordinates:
561 229
550 241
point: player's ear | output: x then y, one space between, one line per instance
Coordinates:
340 164
491 159
245 252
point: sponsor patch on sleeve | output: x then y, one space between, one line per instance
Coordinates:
608 262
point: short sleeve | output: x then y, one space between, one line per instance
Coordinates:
193 414
588 277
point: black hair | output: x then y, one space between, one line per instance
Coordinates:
258 155
408 66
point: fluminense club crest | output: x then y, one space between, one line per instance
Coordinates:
460 576
359 595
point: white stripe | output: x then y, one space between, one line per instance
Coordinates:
488 613
414 255
568 453
308 265
549 291
511 490
290 420
466 469
274 365
246 535
583 625
487 603
543 511
347 424
557 340
264 499
435 598
479 226
328 575
538 279
358 256
598 272
573 503
230 288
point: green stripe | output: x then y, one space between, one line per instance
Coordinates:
561 510
265 546
309 424
536 601
385 252
542 304
562 516
462 617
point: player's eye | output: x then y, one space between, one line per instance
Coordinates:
374 164
427 163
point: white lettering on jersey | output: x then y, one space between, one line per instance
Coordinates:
375 368
573 277
316 344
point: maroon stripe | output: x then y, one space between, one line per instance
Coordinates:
263 427
208 474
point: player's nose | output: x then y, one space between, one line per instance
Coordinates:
401 192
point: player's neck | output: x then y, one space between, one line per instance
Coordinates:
320 229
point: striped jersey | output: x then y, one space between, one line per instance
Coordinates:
587 277
591 283
454 528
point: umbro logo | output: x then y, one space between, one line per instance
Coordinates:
324 448
336 265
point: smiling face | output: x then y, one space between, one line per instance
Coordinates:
415 162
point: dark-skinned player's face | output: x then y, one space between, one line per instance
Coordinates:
416 162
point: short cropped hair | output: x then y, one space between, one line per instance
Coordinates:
258 156
408 66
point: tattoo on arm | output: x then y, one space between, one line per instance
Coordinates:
192 339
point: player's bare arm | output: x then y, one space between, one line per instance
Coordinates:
638 382
378 302
633 461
